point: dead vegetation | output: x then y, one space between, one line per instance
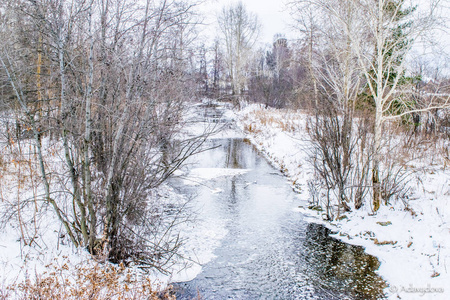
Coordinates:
406 153
98 281
283 119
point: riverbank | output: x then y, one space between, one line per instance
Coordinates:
412 243
415 264
37 258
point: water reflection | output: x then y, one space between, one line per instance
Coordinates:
228 153
236 157
339 266
270 252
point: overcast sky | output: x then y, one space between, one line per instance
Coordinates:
274 19
271 14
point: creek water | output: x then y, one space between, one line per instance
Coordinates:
269 250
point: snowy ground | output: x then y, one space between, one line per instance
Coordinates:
416 264
33 244
414 248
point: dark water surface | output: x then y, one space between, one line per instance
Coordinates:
270 251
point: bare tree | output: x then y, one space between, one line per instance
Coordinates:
392 35
338 137
118 91
380 38
217 68
271 75
306 20
240 30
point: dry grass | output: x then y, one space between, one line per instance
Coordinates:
87 282
382 243
251 128
20 185
429 149
445 153
286 120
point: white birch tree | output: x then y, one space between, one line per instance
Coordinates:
240 30
384 35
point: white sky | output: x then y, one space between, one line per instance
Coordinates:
275 18
271 14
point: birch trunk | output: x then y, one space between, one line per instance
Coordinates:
379 101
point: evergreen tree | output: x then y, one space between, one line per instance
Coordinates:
394 51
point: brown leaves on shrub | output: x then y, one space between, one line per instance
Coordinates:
95 281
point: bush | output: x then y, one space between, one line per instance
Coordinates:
87 282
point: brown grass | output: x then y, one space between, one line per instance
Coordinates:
256 120
87 282
382 243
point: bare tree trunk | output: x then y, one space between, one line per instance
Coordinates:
64 117
240 30
376 183
378 98
112 215
87 142
312 74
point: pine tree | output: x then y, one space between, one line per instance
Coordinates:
395 46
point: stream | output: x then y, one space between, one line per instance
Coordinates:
269 250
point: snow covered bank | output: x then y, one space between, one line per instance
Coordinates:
412 242
36 255
38 261
34 243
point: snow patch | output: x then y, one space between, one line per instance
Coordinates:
198 176
414 249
